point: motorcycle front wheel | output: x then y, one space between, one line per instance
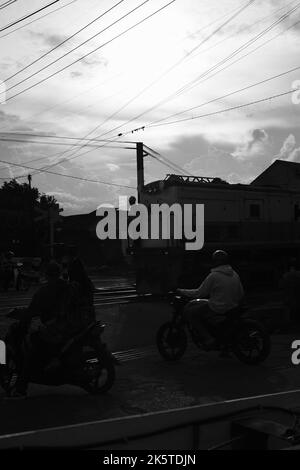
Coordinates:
100 372
251 342
171 341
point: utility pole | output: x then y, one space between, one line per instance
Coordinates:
31 215
140 168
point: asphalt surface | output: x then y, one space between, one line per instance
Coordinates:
145 382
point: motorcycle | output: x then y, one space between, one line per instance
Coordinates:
83 361
246 338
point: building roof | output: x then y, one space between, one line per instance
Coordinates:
280 173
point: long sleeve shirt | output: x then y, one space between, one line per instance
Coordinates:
222 287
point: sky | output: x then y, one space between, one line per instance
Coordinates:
205 49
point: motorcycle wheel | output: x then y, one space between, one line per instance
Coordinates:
101 372
251 342
171 341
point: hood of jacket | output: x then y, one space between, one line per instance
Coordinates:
225 269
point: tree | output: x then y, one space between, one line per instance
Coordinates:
18 229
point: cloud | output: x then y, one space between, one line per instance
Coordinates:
48 39
254 147
76 74
72 203
112 167
289 150
90 62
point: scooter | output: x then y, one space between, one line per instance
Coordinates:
84 360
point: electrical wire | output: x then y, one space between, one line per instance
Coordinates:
149 16
40 142
69 176
172 68
7 4
78 46
93 51
181 90
28 16
232 108
60 45
235 13
226 96
37 19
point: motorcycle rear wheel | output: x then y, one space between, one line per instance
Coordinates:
251 342
171 341
102 372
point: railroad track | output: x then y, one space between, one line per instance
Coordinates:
102 296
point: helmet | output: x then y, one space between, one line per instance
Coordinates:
219 258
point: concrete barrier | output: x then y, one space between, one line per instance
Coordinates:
193 428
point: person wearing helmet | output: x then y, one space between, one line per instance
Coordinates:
220 292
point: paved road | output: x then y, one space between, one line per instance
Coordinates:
145 382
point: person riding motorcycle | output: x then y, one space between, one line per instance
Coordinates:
55 305
77 273
220 292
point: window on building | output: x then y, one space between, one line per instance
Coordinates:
254 211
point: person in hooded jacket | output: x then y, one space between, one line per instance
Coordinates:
220 292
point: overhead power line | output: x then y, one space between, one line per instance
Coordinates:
79 45
227 95
7 4
69 176
235 13
28 16
165 161
244 46
189 35
37 19
55 136
232 108
185 87
44 142
149 16
166 72
91 52
61 44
